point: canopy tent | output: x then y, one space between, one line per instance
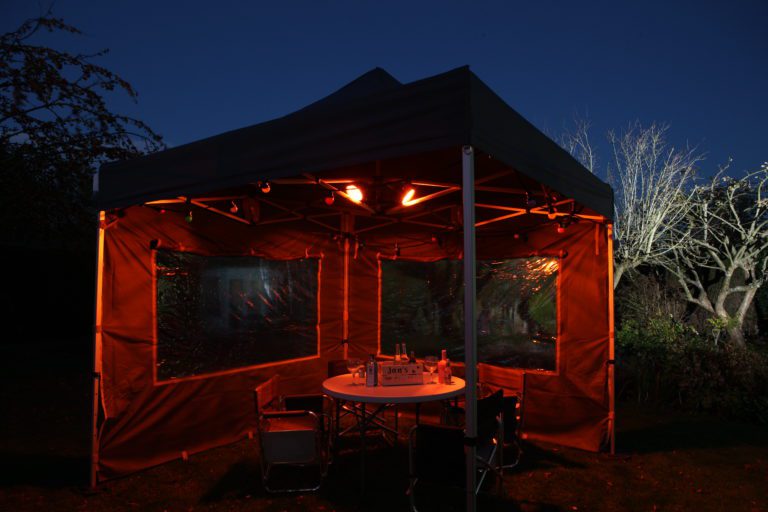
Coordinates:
200 211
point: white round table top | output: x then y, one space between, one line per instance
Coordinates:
341 387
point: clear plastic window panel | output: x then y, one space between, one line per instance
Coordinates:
422 304
217 313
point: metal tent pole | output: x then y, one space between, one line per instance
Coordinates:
347 227
611 347
470 325
97 350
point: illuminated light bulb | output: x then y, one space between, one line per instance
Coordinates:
561 227
355 194
162 211
265 186
551 214
188 218
233 208
330 198
408 196
516 236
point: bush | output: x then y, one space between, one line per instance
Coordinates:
667 362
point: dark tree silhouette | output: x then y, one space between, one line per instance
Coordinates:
55 129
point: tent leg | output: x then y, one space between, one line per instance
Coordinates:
470 324
97 350
611 347
347 226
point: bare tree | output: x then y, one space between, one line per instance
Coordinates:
578 143
727 222
651 181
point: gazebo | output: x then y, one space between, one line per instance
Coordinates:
341 229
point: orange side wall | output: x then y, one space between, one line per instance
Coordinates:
149 423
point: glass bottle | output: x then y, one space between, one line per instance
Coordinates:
371 372
441 367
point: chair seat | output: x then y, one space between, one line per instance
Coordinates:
287 424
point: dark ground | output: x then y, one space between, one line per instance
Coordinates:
667 461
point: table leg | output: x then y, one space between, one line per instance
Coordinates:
418 411
339 405
363 428
366 418
397 420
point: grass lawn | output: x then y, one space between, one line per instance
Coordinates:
666 461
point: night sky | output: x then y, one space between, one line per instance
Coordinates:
205 67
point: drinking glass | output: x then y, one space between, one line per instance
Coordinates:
354 366
430 363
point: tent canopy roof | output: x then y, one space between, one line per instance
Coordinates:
372 118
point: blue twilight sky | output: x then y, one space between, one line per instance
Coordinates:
203 67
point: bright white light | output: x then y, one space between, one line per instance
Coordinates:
408 196
354 193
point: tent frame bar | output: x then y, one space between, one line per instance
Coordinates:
387 222
550 209
294 214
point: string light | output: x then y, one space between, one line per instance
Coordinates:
330 198
188 202
563 224
437 239
265 187
233 208
551 214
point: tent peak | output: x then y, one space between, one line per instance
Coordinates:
372 82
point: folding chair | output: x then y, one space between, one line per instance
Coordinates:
513 383
512 417
296 438
436 452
